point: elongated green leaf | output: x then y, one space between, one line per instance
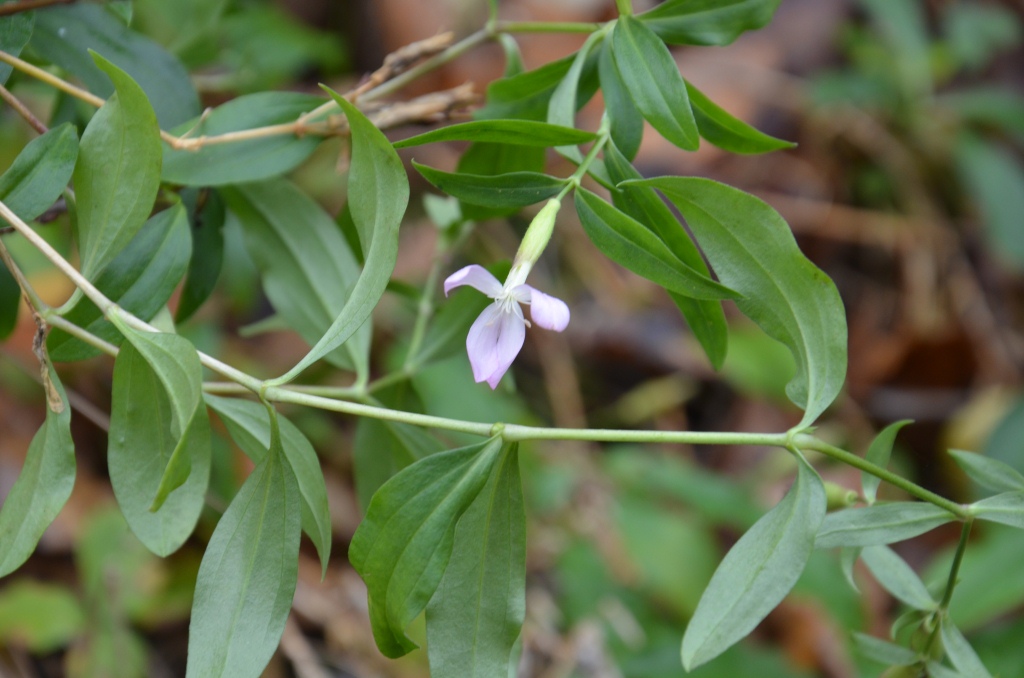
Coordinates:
562 105
147 429
307 268
988 472
63 36
626 122
526 95
628 243
378 191
1006 508
141 278
707 22
40 173
896 577
118 171
880 524
475 618
937 670
704 316
403 546
653 79
960 653
249 426
247 577
752 250
727 132
993 176
758 572
204 267
878 454
882 651
516 132
15 32
512 190
495 159
242 161
44 484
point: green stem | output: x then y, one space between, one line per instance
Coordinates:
807 442
424 309
625 7
26 288
954 571
545 27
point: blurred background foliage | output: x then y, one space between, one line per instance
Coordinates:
907 188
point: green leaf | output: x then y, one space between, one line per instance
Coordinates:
653 79
990 473
306 266
207 256
40 173
512 190
44 485
526 95
250 427
988 105
880 524
476 615
1006 508
118 171
515 132
41 618
562 105
960 653
878 454
993 177
630 244
727 132
896 577
707 22
495 159
403 546
159 445
758 572
64 35
378 191
882 651
752 251
248 160
704 316
625 121
15 32
10 302
140 279
247 577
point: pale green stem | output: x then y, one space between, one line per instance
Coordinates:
625 7
545 27
954 570
19 277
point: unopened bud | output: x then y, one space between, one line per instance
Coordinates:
538 235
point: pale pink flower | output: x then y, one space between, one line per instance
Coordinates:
497 336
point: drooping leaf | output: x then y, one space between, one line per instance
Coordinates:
652 77
878 454
727 132
15 32
882 651
705 317
378 191
476 615
248 160
63 36
1006 508
140 279
513 190
988 472
707 22
248 574
515 132
628 243
306 266
625 121
403 546
40 173
562 105
758 572
44 484
880 524
118 171
250 427
960 653
993 176
893 573
752 251
204 267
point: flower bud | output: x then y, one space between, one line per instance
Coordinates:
538 235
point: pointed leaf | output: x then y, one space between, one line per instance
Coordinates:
1006 508
15 32
625 121
204 267
727 132
758 572
378 191
562 105
526 95
40 173
494 159
880 524
878 454
990 473
707 22
44 484
752 250
247 577
516 132
402 547
960 653
118 172
651 74
896 577
512 190
882 651
249 426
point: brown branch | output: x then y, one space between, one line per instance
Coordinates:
20 108
27 5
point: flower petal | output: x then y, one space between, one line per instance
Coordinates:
493 342
475 276
547 311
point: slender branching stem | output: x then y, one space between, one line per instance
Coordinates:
954 570
21 109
